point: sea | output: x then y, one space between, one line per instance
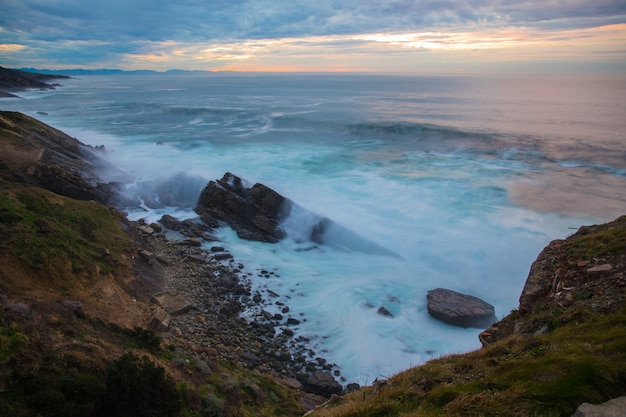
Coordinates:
462 179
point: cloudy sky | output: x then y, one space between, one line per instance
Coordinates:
414 36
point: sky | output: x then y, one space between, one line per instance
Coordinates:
389 36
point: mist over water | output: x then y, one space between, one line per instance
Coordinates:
460 180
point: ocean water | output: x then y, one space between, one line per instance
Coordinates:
461 179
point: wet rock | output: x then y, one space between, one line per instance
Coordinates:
459 309
252 211
322 383
384 312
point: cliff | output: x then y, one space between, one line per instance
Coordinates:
15 80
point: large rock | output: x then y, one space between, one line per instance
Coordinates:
257 212
322 383
460 309
254 212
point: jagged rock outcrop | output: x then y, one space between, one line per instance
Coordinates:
254 212
459 309
35 153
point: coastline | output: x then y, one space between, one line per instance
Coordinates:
215 286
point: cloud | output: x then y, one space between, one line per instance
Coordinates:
206 34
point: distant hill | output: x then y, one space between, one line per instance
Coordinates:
105 71
17 80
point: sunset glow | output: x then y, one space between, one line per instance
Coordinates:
262 36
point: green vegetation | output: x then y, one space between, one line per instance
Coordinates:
597 241
59 235
545 375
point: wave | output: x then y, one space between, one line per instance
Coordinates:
180 190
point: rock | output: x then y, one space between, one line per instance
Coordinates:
170 222
253 212
292 321
384 312
256 212
159 320
322 383
222 256
459 309
76 307
146 230
173 303
600 269
612 408
196 257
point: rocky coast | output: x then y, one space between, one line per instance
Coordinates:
202 293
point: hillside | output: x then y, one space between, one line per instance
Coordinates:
78 329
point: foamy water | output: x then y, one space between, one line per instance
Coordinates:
464 180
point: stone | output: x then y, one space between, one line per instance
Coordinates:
613 408
292 321
173 303
146 230
222 256
459 309
600 269
159 320
322 383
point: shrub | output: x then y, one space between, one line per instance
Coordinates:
136 387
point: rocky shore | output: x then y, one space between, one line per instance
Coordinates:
203 293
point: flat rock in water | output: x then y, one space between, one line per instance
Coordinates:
460 309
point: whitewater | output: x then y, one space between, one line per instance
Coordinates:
461 179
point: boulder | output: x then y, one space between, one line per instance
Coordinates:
322 383
159 320
459 309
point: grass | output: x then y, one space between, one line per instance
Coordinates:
545 375
597 241
58 235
